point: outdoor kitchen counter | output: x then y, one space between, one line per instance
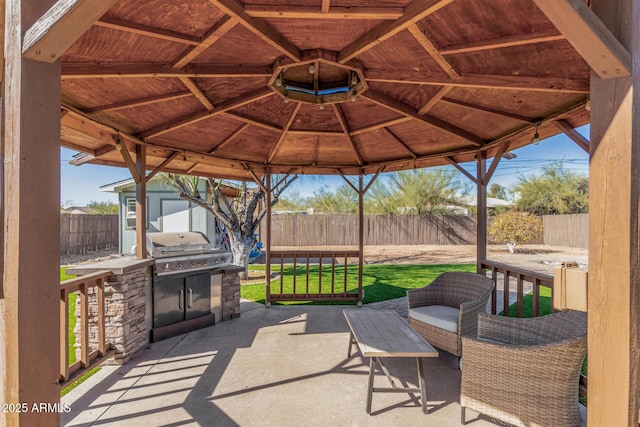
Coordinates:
117 265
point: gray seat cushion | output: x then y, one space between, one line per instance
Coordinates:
440 316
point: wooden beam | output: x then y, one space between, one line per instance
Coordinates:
502 42
420 34
476 107
192 118
434 99
30 215
589 36
230 138
138 102
215 33
326 5
495 162
145 30
266 33
372 181
276 146
122 148
401 143
257 180
569 130
141 201
481 212
461 169
51 35
252 121
349 183
347 132
380 125
399 107
333 12
195 90
162 165
91 70
503 82
414 12
315 132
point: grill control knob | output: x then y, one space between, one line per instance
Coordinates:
194 263
179 265
205 262
166 267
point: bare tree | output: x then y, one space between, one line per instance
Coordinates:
240 215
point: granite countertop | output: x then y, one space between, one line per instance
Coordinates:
117 265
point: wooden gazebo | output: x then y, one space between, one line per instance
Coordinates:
246 89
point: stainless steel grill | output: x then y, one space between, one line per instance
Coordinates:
184 252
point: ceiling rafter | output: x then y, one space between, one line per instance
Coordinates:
265 32
488 81
489 110
325 6
276 146
380 125
229 138
252 121
434 99
192 118
397 139
197 92
330 12
139 102
145 30
424 39
404 109
215 33
347 132
93 70
570 131
502 42
414 12
162 165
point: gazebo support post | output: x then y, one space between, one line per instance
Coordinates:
267 245
141 202
481 209
361 192
614 241
29 298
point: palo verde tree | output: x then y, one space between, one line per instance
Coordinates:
514 228
241 215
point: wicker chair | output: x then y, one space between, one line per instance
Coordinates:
448 308
525 371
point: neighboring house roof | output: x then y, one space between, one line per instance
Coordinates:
492 202
77 210
121 186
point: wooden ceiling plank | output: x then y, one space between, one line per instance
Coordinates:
399 107
315 132
215 33
488 81
162 165
247 98
252 121
589 36
502 42
195 90
139 102
489 110
380 125
276 146
192 168
266 33
55 31
415 11
326 5
461 169
306 12
503 148
144 30
420 34
92 70
230 138
434 99
347 132
401 143
570 131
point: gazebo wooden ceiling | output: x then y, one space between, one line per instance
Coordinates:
221 87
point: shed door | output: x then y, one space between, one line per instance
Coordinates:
175 215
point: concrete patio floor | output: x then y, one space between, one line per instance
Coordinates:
277 366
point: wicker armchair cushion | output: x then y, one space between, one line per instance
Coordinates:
440 316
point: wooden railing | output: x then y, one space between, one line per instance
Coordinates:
521 275
311 286
81 285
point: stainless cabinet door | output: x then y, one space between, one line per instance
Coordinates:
168 301
198 295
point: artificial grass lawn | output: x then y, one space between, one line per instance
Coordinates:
380 282
527 304
72 317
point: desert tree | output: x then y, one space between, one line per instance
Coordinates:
241 215
514 228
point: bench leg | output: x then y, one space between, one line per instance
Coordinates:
372 369
423 386
352 341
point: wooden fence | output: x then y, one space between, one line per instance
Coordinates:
84 233
566 230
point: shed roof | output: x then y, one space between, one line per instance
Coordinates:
217 87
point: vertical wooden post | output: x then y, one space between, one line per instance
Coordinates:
31 258
267 245
481 210
614 242
141 201
360 236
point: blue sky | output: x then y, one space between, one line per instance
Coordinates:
80 185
